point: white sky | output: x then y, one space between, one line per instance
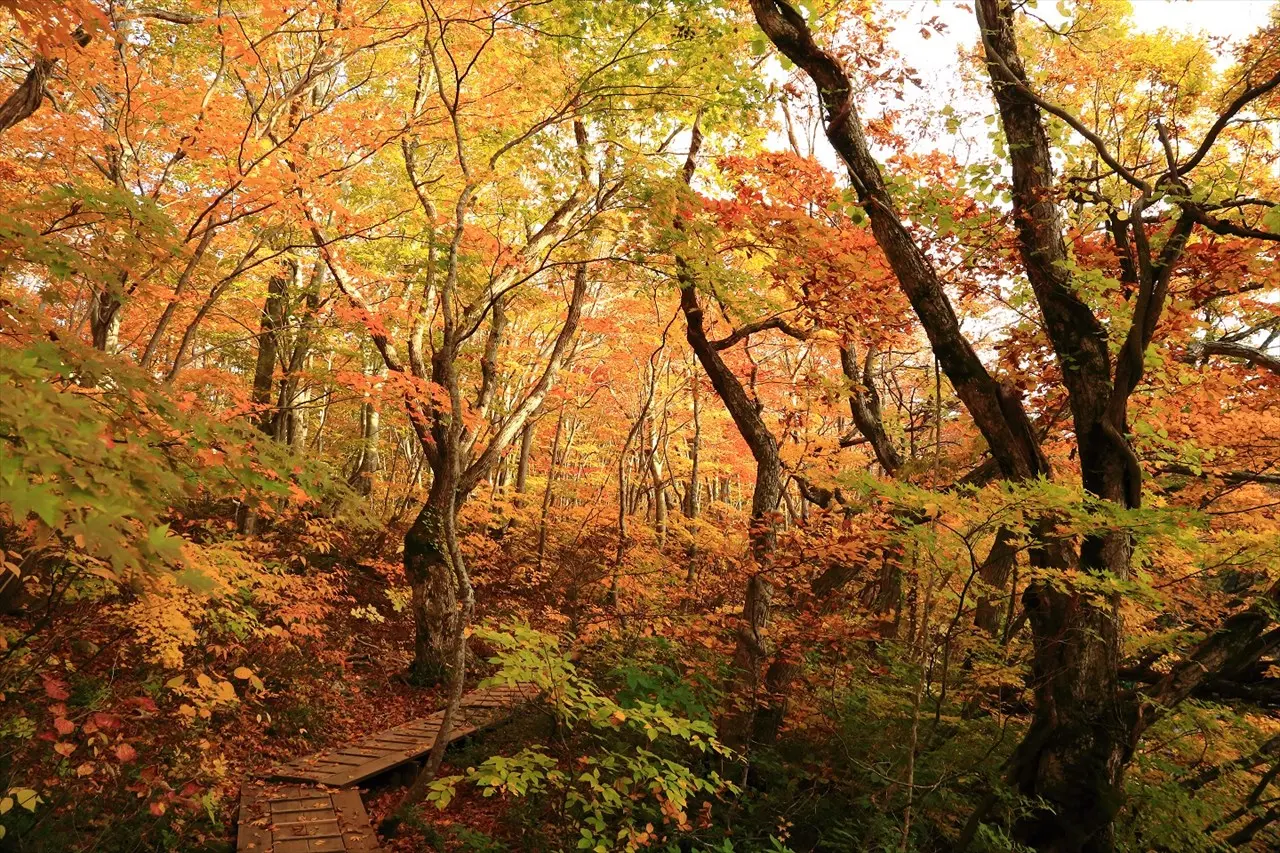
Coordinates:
1226 18
1230 18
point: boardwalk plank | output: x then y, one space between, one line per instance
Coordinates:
359 836
294 819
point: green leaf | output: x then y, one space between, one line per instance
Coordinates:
1271 221
196 580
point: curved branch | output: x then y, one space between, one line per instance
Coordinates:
1254 357
1220 125
167 15
750 329
1218 226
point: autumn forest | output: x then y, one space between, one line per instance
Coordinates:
639 425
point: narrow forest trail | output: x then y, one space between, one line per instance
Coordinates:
278 815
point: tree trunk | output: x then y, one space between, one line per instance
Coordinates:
547 492
659 489
1070 757
431 559
104 321
994 574
692 498
325 395
25 100
526 446
370 460
269 326
296 389
297 409
1074 754
751 649
267 419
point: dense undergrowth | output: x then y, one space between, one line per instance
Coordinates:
141 686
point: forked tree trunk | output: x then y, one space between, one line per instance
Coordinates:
1074 754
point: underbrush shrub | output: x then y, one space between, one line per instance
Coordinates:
614 777
137 629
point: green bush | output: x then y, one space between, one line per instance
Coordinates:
619 778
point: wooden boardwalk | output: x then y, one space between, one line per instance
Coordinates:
284 818
302 819
376 754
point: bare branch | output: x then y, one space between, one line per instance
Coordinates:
750 329
1254 357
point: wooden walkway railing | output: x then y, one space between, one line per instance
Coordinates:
292 818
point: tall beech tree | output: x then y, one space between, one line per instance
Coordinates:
751 646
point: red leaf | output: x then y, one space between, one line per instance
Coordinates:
55 688
126 753
107 722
